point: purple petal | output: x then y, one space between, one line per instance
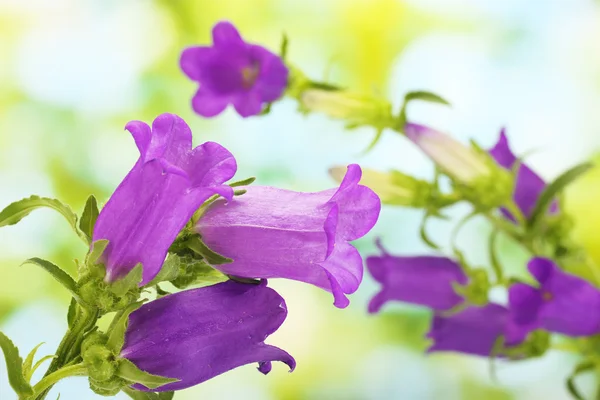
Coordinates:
193 60
248 104
142 134
208 104
472 331
273 76
198 334
525 303
224 33
159 195
423 280
274 233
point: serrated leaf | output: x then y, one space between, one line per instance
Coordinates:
244 182
197 246
18 210
128 282
28 363
130 372
89 217
137 395
14 367
57 273
116 337
553 189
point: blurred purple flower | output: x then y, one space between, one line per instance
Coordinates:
233 72
528 185
423 280
157 198
275 233
563 303
474 330
198 334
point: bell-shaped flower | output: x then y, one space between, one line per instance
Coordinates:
276 233
232 71
198 334
562 303
475 330
169 182
424 280
528 186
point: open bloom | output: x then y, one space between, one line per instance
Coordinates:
198 334
563 303
233 72
423 280
459 161
275 233
528 185
475 330
159 195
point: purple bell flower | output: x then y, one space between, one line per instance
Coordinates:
563 303
474 330
423 280
198 334
528 185
157 198
233 72
276 233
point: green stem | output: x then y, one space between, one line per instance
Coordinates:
50 380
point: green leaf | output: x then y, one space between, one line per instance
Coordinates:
283 50
137 395
197 246
553 189
88 218
244 182
423 232
37 365
116 336
130 372
14 367
28 363
57 273
18 210
582 367
418 95
128 282
94 255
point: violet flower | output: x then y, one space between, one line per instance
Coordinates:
198 334
474 330
276 233
157 198
528 185
233 72
563 303
423 280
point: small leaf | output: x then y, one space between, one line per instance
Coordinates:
128 282
130 372
28 363
196 245
553 189
18 210
418 95
244 182
14 367
38 364
582 367
57 273
137 395
283 50
88 218
116 337
94 255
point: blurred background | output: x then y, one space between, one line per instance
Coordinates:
74 72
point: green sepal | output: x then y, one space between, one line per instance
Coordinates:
196 244
37 365
89 217
18 210
130 372
283 49
14 367
494 261
552 190
193 271
244 182
130 281
476 290
423 232
168 272
72 312
375 140
116 333
418 95
137 395
96 252
584 366
28 368
239 192
57 273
